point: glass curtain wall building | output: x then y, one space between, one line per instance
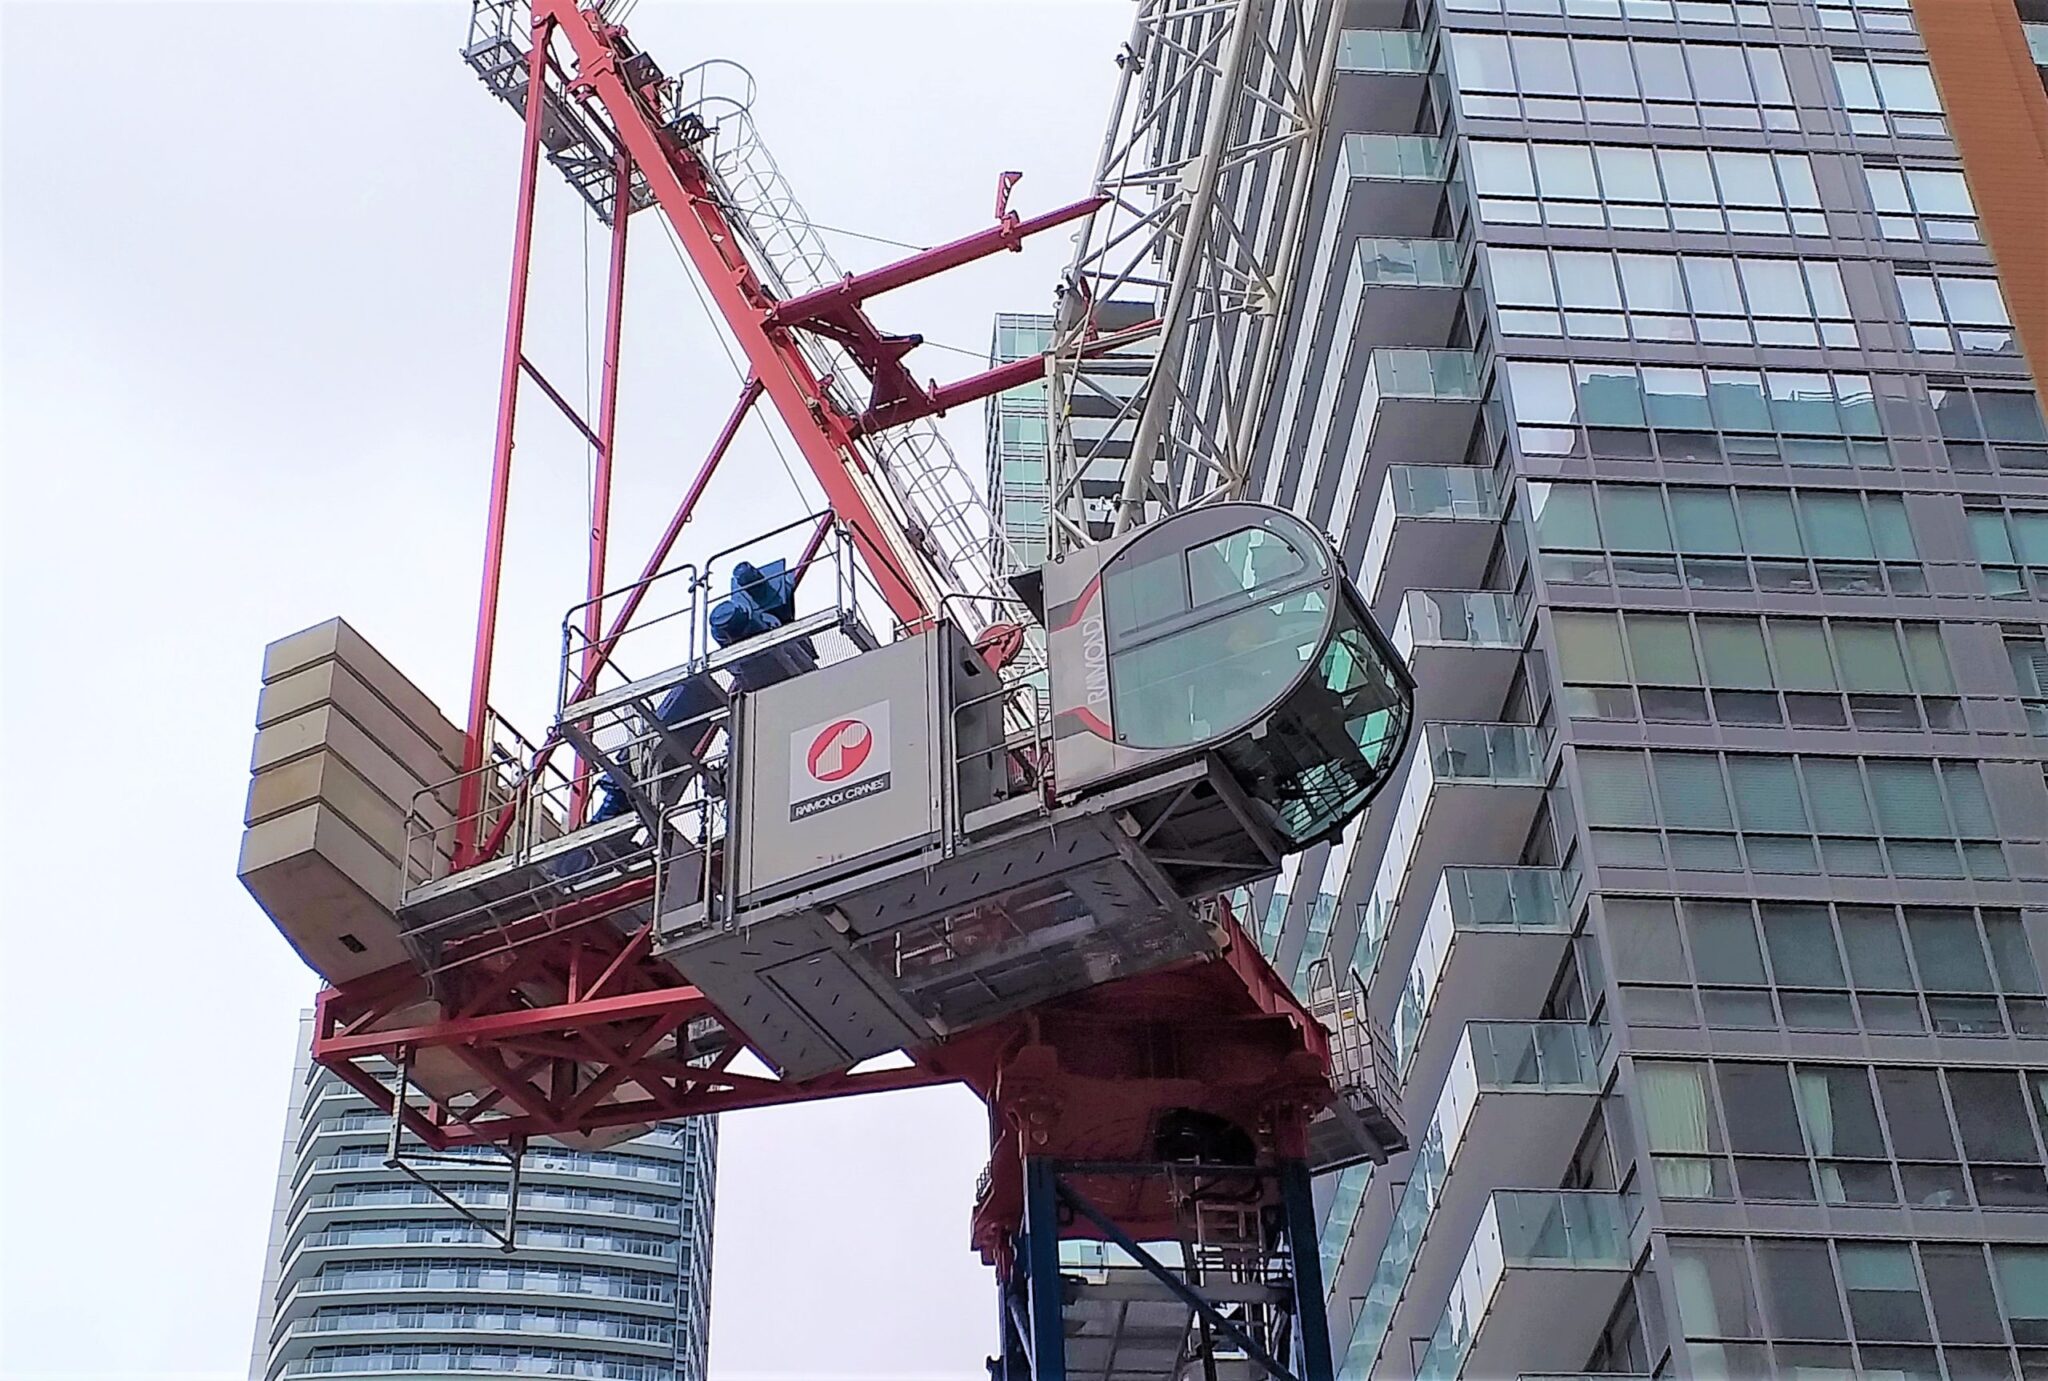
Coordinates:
1019 445
1652 369
368 1273
1019 431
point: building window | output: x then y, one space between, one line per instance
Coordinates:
1989 428
1638 188
1895 98
1722 539
1849 1307
1023 429
1870 16
1768 1132
1803 966
1922 204
2013 546
1025 516
1909 818
1630 82
1658 11
2028 653
1017 339
1687 298
1739 415
1739 670
1957 315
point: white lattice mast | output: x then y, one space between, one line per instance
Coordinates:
1207 164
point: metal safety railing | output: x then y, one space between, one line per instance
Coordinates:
1361 1053
664 620
1002 742
537 802
635 821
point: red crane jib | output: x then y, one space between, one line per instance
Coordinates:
559 1021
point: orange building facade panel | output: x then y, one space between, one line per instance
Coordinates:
1998 114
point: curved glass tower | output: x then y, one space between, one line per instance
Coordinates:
369 1273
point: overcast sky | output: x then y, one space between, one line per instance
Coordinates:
252 275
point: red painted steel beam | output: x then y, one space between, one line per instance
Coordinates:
682 189
607 436
601 1087
750 394
470 793
562 405
1003 377
567 1016
856 288
498 1130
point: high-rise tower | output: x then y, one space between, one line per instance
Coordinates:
368 1272
1652 367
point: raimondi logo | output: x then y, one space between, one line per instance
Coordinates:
839 761
839 750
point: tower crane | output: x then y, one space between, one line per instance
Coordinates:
863 819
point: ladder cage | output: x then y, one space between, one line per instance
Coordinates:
1361 1052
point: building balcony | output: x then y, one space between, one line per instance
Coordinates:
1382 79
1401 292
1544 1271
482 1323
650 1168
308 1298
1393 184
1512 1108
414 1203
1418 402
1434 525
1463 647
306 1252
1491 934
1469 798
1382 50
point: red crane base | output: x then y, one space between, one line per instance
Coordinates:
561 1035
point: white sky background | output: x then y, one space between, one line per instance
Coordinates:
252 276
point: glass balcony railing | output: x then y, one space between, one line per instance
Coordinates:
1493 754
1458 493
1523 1057
1382 50
1495 1056
1503 899
1349 1195
1525 900
1428 375
1441 491
1546 1229
1375 919
1389 262
1395 157
1457 618
1453 751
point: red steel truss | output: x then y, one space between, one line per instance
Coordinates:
559 1030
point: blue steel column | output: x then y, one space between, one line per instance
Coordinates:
1039 1261
1298 1203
